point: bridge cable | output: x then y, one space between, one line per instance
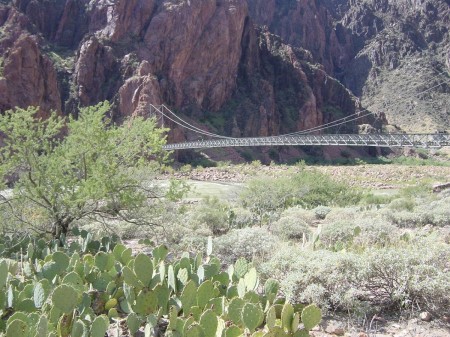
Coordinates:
186 125
331 124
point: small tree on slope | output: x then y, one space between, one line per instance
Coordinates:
88 173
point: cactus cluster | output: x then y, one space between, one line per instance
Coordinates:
83 288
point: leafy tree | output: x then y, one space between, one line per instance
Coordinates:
66 169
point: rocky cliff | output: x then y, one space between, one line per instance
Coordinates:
392 54
242 68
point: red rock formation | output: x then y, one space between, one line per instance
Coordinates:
95 71
200 57
27 76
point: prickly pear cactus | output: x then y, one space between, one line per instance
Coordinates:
311 316
143 268
251 279
146 302
287 315
205 293
271 317
62 291
64 327
240 268
41 292
17 328
99 326
3 273
104 261
194 330
188 297
252 316
209 323
65 298
235 310
133 322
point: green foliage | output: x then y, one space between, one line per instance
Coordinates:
267 196
249 243
216 215
89 291
290 228
87 173
402 276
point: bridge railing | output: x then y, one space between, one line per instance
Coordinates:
378 140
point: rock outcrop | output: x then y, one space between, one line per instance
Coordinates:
361 43
27 76
218 61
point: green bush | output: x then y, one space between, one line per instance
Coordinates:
291 228
300 213
407 219
241 217
406 277
215 214
321 212
337 233
265 196
250 243
402 204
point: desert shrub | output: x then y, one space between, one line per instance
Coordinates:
376 232
376 199
337 233
402 204
250 243
419 190
214 214
301 272
290 228
406 219
409 277
438 212
321 212
344 214
300 213
265 196
405 277
241 217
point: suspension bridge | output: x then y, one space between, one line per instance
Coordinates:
304 138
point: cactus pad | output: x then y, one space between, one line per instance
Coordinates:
287 315
99 326
271 317
65 298
252 316
194 330
146 302
188 297
209 322
311 316
183 275
240 267
3 273
205 292
301 333
143 268
235 310
40 294
233 331
17 328
133 323
104 261
251 279
78 329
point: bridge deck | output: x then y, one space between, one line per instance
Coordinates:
379 140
